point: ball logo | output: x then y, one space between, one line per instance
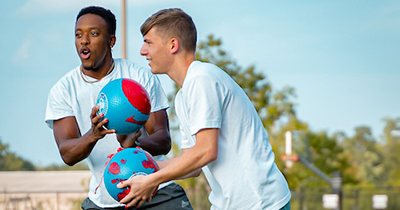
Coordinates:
103 104
137 174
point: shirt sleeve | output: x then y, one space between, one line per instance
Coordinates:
185 142
57 105
205 97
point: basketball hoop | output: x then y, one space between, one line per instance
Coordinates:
293 158
288 157
289 160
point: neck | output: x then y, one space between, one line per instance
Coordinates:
179 69
99 72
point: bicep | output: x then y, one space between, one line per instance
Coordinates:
208 137
207 142
65 128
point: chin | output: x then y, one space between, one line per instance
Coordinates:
154 71
157 71
87 66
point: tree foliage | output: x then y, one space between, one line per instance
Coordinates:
9 161
363 155
391 144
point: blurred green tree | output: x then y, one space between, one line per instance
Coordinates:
364 156
391 144
9 161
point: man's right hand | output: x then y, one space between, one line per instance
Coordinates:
72 145
98 127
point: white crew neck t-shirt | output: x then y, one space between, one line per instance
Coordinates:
244 176
72 96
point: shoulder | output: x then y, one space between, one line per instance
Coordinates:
198 67
68 80
202 73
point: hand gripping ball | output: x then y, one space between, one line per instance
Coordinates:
125 164
126 105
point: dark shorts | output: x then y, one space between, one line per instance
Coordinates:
286 207
171 197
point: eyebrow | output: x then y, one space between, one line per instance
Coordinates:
91 28
147 39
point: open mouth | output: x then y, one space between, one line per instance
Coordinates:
85 52
149 60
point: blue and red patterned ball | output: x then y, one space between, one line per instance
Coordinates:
126 105
125 164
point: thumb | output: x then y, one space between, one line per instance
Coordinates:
122 184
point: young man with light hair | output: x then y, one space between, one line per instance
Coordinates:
221 131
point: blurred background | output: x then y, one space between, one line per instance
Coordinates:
326 70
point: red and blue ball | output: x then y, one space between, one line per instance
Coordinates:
125 164
126 105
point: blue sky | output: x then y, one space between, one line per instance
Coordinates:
340 56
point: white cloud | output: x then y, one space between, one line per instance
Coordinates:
22 53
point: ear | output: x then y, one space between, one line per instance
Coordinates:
174 44
112 41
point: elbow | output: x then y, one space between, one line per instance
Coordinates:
68 161
212 155
167 148
166 145
207 155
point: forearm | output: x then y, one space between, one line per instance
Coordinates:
187 165
158 143
72 146
76 149
203 152
194 173
158 140
163 164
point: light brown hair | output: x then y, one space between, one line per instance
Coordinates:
173 23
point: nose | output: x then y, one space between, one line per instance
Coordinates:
85 39
143 50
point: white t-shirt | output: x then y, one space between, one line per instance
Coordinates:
72 96
244 176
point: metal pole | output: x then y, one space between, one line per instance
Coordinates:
123 29
301 197
314 169
336 185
